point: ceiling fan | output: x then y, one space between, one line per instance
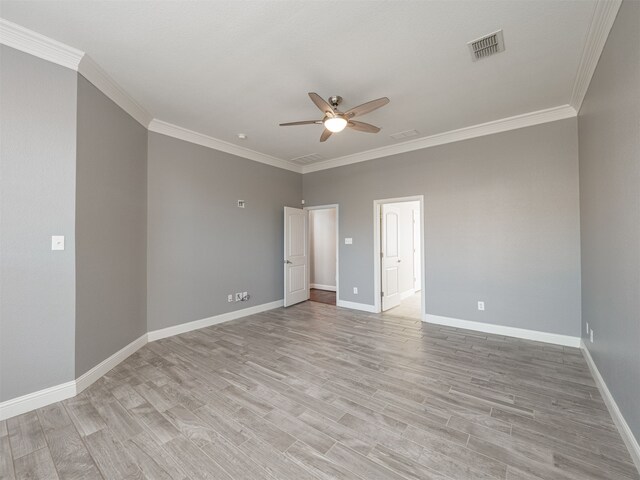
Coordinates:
335 121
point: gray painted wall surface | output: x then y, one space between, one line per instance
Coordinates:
609 143
111 228
501 225
201 246
38 158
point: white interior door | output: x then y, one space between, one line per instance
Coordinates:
417 267
390 243
296 256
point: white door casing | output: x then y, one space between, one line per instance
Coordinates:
296 256
377 248
390 247
417 266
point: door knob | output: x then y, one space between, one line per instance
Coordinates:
399 260
288 262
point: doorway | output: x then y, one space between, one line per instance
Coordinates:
398 254
323 254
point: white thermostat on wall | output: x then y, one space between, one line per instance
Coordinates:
240 203
348 241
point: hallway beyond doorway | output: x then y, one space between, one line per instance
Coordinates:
408 308
322 296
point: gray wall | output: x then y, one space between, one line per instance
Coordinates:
501 225
609 133
38 158
201 246
111 228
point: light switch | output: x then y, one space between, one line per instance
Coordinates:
57 242
348 241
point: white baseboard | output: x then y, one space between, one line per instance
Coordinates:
356 306
555 338
86 379
47 396
207 322
623 427
41 398
319 286
407 294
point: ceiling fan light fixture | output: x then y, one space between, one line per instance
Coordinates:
335 121
335 124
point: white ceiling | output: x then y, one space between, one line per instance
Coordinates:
225 67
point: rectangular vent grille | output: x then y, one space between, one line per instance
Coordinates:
405 134
487 45
307 159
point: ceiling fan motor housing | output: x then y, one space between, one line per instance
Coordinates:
335 100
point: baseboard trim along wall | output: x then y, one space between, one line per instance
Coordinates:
319 286
86 379
555 338
623 427
207 322
47 396
39 399
356 306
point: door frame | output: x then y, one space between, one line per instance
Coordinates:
337 208
415 252
377 268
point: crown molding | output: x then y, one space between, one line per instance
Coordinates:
46 48
28 41
482 129
158 126
51 50
603 17
90 70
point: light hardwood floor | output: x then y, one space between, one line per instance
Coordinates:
317 392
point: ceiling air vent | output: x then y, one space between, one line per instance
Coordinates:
307 159
405 134
487 45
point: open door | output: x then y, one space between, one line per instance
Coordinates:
296 256
390 245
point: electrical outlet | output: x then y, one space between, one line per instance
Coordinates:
355 290
239 297
230 297
591 336
481 306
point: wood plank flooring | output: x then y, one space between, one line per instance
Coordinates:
317 392
322 296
